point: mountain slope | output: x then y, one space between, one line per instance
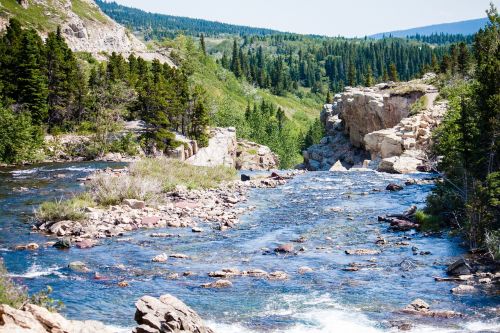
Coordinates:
84 26
468 27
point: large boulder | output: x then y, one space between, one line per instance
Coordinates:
167 314
253 156
221 149
35 319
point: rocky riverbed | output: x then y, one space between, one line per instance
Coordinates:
307 256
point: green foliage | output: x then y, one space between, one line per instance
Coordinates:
315 133
428 222
20 140
419 106
43 299
62 210
468 140
10 294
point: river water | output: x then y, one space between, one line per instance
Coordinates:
327 300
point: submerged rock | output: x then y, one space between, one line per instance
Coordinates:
167 314
219 284
459 267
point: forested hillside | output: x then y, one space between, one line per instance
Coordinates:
158 26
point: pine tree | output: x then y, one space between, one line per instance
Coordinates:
352 74
329 98
393 73
463 61
202 44
235 61
32 81
369 80
385 75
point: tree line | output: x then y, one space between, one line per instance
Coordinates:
468 140
46 88
289 63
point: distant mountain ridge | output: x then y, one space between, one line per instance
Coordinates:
468 27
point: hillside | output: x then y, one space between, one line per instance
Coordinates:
84 26
153 25
468 27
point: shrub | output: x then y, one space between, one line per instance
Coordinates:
493 244
10 294
19 138
61 210
419 106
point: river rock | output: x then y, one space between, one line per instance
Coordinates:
338 167
35 319
78 266
362 252
459 267
463 289
86 244
134 204
394 187
285 248
278 275
161 258
62 244
179 256
219 284
304 270
167 315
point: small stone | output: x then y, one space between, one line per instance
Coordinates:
197 230
362 252
394 187
305 270
85 244
179 256
285 248
161 258
134 204
463 289
278 275
123 284
78 266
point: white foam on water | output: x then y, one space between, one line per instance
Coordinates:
36 270
24 173
73 168
326 316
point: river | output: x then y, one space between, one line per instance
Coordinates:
334 212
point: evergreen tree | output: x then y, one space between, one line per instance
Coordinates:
351 79
235 61
202 44
31 79
369 80
393 73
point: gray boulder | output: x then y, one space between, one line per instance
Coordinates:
167 314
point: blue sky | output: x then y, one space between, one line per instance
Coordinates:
326 17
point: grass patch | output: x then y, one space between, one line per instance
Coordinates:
171 173
10 294
149 178
62 210
419 106
87 11
428 222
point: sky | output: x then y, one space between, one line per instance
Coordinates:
347 18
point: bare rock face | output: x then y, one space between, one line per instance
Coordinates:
35 319
221 149
376 127
88 29
252 156
167 314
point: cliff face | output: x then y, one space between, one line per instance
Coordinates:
387 127
85 27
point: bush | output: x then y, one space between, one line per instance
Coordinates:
62 210
10 294
493 243
20 140
419 106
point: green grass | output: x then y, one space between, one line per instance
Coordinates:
149 178
428 222
62 210
419 106
87 11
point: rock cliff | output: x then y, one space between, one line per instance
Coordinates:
387 127
84 26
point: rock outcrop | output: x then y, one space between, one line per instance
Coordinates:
387 127
252 156
221 149
84 26
35 319
167 314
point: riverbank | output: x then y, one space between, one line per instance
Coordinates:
151 194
